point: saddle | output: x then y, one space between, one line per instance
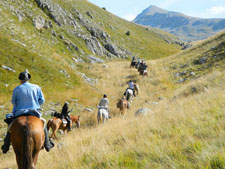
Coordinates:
10 118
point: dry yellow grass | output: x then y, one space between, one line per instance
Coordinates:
184 130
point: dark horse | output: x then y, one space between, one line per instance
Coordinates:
27 137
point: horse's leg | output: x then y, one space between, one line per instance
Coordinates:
35 159
54 132
52 135
18 159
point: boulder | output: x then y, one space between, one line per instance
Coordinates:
143 111
112 49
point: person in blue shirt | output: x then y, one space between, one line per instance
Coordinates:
26 100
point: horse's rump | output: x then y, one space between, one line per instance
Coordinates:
27 137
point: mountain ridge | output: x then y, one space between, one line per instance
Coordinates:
186 27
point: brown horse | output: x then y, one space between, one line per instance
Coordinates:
27 137
123 105
76 120
57 124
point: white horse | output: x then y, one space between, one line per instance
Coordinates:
103 115
129 94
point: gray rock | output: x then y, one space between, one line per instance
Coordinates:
143 111
112 49
8 68
88 80
87 110
181 80
65 73
192 73
94 59
61 37
94 46
75 60
105 66
19 42
57 13
20 15
201 61
39 22
186 46
89 14
53 33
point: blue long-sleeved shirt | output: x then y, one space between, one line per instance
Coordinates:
26 97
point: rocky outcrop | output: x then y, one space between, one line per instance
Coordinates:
97 41
57 13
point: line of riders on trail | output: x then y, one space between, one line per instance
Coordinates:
27 130
140 65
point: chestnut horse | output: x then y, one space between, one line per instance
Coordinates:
123 105
57 124
76 120
27 137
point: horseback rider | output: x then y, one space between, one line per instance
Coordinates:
104 104
131 86
65 115
26 100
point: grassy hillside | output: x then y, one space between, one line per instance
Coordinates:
66 30
202 59
184 130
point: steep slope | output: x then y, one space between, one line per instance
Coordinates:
53 38
185 27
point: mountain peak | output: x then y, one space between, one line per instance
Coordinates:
152 9
186 27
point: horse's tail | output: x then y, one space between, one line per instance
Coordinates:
49 124
99 115
27 152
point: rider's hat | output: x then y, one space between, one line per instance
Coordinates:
104 95
24 76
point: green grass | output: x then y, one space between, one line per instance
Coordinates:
189 61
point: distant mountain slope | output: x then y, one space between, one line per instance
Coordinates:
200 60
185 27
52 38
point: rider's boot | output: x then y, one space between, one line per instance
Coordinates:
68 125
48 144
5 146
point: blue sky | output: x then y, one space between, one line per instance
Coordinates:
128 9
